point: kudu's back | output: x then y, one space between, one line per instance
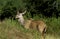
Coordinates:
39 25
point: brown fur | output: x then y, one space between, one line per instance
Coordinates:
36 24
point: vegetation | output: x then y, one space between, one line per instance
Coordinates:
11 29
46 10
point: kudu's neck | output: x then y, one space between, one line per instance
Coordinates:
21 19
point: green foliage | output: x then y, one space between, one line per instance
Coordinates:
47 8
39 8
53 25
9 8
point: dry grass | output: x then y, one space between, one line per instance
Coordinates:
12 30
52 37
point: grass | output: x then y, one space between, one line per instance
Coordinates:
11 29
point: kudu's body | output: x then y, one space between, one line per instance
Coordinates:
33 24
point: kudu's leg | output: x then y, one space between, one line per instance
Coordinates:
42 31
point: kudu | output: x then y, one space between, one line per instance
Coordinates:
32 24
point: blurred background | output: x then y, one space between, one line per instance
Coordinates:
46 10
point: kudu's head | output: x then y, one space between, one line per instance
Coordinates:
20 17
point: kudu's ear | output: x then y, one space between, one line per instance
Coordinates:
24 12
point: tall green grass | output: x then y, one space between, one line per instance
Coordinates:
12 29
